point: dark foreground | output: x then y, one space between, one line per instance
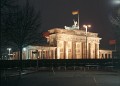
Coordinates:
65 78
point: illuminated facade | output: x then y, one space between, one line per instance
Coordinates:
71 44
68 44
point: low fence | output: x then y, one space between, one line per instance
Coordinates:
59 62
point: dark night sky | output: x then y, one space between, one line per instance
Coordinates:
57 13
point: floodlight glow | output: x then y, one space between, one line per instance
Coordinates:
89 25
84 25
24 49
9 49
115 2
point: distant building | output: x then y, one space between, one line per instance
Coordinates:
67 44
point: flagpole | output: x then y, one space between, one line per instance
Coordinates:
78 18
74 13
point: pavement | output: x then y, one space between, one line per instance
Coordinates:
9 72
46 77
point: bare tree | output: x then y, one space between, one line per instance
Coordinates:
4 7
21 25
115 20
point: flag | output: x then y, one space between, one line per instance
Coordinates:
46 34
75 12
112 42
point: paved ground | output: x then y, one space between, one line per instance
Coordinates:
65 78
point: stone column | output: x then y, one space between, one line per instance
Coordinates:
111 56
80 50
48 54
90 54
77 50
92 50
30 53
89 50
42 54
73 50
54 54
83 50
66 50
69 47
25 54
100 55
97 51
104 55
58 49
39 54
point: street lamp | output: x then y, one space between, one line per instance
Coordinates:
115 2
9 49
86 26
24 49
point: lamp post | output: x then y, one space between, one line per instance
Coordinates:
86 27
9 49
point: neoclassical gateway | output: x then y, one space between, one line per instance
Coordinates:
67 44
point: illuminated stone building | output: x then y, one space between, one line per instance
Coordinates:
68 44
71 44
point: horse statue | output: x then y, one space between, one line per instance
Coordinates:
74 26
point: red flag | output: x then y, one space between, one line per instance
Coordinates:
46 34
112 42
